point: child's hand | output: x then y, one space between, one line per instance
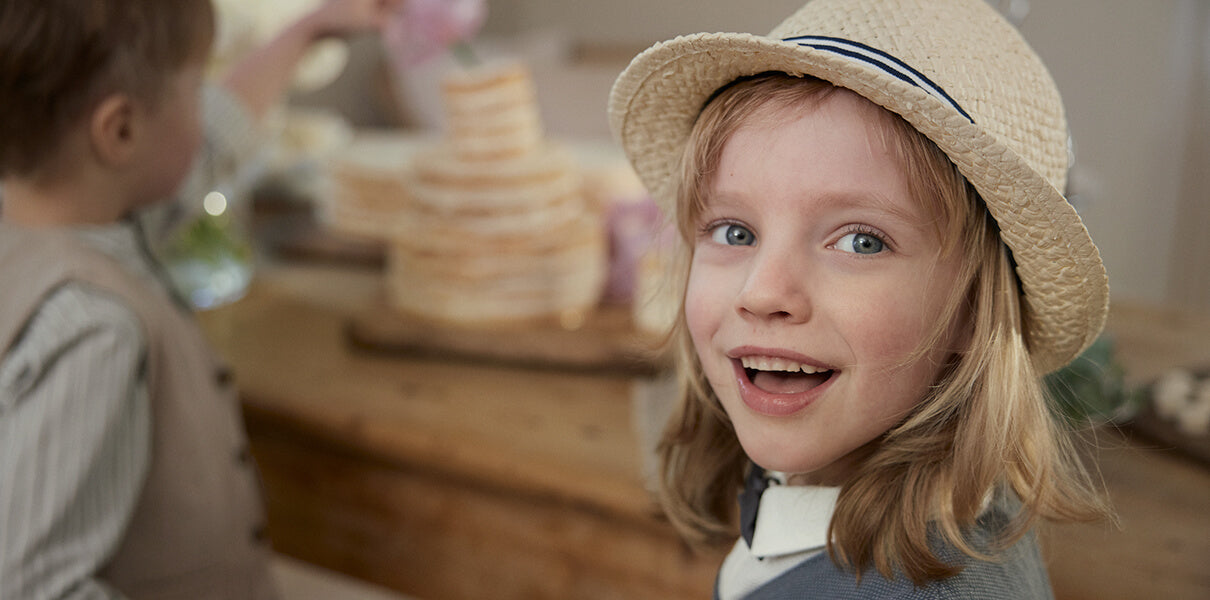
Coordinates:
347 17
260 78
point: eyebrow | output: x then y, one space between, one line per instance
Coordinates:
839 200
876 202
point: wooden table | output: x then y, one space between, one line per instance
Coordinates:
442 479
453 480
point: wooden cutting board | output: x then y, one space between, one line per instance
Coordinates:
1165 435
1164 432
606 341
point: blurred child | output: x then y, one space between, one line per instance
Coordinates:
881 268
124 470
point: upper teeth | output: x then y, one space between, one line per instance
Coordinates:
769 363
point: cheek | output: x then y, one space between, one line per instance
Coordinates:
891 342
886 333
898 318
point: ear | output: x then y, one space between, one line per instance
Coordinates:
111 130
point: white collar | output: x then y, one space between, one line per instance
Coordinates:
793 519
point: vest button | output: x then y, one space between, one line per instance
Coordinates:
260 534
243 456
223 376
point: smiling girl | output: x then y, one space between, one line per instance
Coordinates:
881 269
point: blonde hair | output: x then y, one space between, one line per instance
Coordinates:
985 426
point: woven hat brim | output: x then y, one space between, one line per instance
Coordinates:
656 100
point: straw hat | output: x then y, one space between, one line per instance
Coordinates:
954 69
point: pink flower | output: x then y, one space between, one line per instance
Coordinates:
421 29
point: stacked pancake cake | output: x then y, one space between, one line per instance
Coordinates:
496 227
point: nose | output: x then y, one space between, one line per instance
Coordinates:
775 288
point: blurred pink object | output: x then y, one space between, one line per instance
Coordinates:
421 29
635 228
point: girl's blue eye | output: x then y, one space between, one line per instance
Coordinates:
733 235
860 243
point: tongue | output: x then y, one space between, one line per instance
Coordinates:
776 382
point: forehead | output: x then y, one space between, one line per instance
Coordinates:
846 129
879 128
837 130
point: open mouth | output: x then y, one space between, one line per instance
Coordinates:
781 376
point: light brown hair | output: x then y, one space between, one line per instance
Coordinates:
59 58
984 427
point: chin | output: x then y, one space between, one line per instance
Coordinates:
774 456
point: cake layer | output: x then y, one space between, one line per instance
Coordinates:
497 300
535 232
484 257
491 111
477 145
487 281
443 165
517 274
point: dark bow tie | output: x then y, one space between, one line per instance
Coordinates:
749 501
